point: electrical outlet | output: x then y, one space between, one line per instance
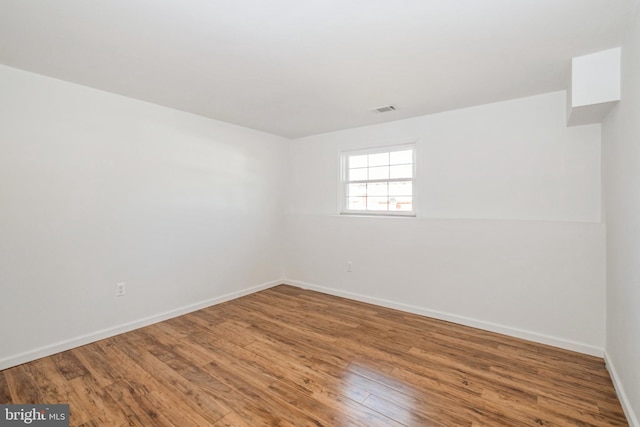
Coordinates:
121 289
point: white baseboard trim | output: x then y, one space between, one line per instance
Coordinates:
462 320
58 347
632 419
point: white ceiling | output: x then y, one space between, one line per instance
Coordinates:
302 67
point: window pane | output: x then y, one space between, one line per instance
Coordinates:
358 161
404 188
377 203
358 174
379 182
401 157
357 203
380 159
381 172
400 204
401 171
357 190
377 189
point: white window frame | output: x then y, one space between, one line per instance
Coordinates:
344 154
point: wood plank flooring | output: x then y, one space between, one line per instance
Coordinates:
293 357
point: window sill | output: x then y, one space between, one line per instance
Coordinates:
371 215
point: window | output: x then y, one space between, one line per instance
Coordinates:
379 182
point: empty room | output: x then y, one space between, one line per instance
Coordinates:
320 213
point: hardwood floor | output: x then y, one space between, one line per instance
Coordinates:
292 357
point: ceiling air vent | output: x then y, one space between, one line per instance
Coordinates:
385 109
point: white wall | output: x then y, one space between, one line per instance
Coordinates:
508 235
97 189
621 179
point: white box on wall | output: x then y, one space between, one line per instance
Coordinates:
594 87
